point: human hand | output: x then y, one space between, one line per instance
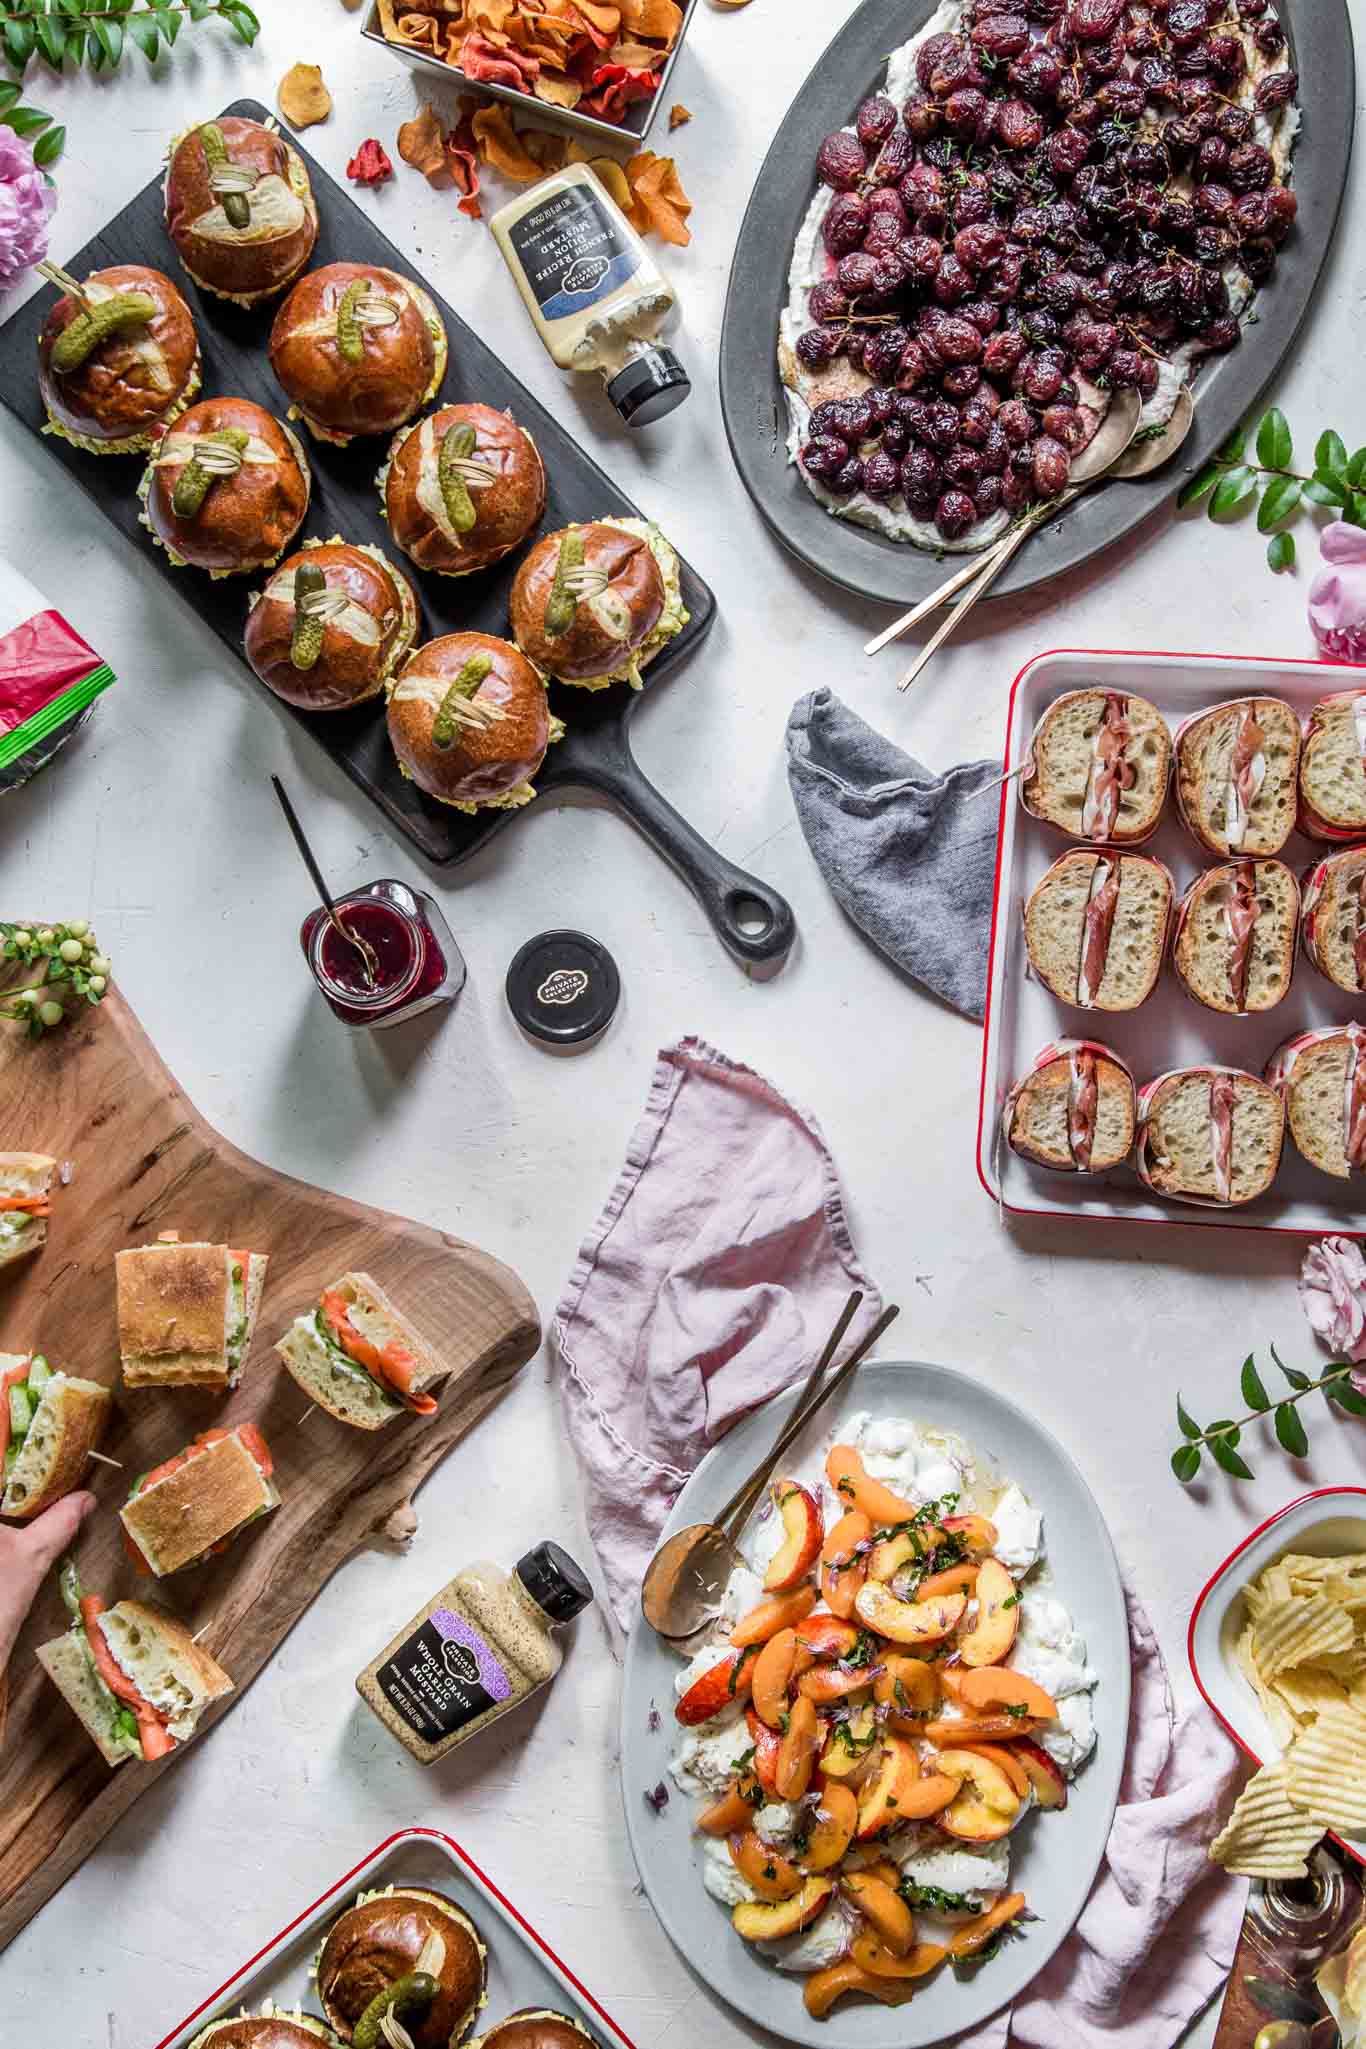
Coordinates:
27 1554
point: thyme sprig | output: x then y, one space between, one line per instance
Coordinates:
1222 1439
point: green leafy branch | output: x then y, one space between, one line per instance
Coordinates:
64 961
25 120
98 32
1221 1439
1337 483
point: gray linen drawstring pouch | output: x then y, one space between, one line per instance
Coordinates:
911 856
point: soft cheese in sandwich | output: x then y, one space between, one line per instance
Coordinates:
1237 769
1074 1110
1096 928
132 1673
25 1203
357 1357
50 1422
1321 1078
1099 764
1209 1135
193 1505
1333 768
1234 948
186 1312
1333 918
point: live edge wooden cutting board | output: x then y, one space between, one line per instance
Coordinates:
143 1161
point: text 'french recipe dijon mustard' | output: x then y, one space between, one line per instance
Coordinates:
482 1644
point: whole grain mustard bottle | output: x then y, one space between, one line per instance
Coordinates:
481 1645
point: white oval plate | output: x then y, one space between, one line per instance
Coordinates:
1054 1857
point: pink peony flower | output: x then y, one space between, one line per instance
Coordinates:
26 204
1337 596
1333 1296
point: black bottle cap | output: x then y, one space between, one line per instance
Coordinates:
563 987
554 1582
651 385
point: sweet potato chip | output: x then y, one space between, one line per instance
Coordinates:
557 89
607 169
302 97
660 20
658 199
501 146
679 116
421 144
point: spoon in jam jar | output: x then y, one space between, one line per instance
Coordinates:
369 959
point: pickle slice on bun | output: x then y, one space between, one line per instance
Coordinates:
358 350
239 208
462 488
331 626
592 604
470 721
118 360
226 489
376 1950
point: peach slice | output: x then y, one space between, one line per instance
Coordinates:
1050 1787
767 1743
858 1489
928 1797
765 1920
841 1546
883 1907
1009 1764
986 1804
882 1960
997 1686
823 1988
998 1616
974 1533
913 1622
728 1680
948 1730
797 1751
771 1875
883 1868
889 1787
827 1683
832 1829
734 1809
906 1547
772 1677
910 1688
849 1748
977 1934
826 1636
840 1585
803 1531
956 1579
783 1611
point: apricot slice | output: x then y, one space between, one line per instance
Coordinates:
765 1920
832 1829
956 1579
797 1750
889 1787
767 1743
1004 1761
986 1803
998 1616
977 1535
827 1683
783 1611
948 1730
906 1547
734 1809
883 1868
827 1636
1050 1787
977 1934
803 1532
773 1676
840 1585
913 1622
882 1960
996 1686
844 1537
823 1988
727 1680
858 1489
881 1905
910 1688
771 1875
849 1747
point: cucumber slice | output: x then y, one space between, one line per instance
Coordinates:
39 1373
21 1409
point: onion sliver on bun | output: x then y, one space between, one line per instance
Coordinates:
116 369
391 1935
358 350
226 489
239 208
462 488
592 604
331 626
470 721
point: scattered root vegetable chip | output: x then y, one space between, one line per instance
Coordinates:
659 203
501 146
608 170
421 143
679 116
302 97
370 165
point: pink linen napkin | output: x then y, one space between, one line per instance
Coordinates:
708 1283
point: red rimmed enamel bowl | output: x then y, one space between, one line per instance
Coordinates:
1328 1521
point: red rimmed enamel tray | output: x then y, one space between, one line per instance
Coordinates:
523 1970
1170 1029
1328 1521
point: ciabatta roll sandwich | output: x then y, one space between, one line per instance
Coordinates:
186 1312
1237 770
1074 1110
1333 918
359 1358
1320 1076
192 1506
1333 768
25 1203
1234 944
1209 1135
50 1422
1096 928
1100 762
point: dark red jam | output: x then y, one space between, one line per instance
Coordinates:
417 962
393 939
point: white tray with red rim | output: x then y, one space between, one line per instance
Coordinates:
523 1970
1171 1029
1326 1523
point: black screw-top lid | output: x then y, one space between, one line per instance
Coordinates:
554 1582
650 386
563 987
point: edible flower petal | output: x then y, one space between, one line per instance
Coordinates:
1337 596
1333 1297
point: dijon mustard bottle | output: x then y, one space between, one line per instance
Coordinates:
594 293
481 1645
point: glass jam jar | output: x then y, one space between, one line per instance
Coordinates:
419 963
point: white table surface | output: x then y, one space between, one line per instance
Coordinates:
160 827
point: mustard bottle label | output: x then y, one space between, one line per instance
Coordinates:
572 252
443 1676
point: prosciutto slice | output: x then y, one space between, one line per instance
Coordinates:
1359 944
1221 1087
1240 916
1082 1098
1095 938
1110 774
1354 1143
1246 774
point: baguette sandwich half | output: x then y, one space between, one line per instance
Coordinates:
192 1506
186 1313
25 1203
1237 774
1333 918
359 1358
132 1673
1333 768
50 1422
1096 928
1209 1135
1074 1110
1100 763
1321 1078
1234 948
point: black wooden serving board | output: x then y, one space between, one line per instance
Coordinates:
751 919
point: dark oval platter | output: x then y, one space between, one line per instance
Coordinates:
752 399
